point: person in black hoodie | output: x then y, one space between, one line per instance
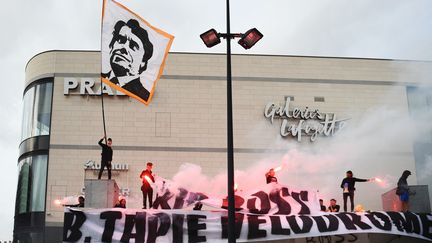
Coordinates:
106 157
147 190
348 188
403 190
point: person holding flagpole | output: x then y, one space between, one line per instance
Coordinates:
106 157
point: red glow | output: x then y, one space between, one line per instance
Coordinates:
277 168
57 202
378 180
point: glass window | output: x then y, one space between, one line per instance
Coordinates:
37 111
42 109
419 100
27 113
31 184
420 107
38 183
23 186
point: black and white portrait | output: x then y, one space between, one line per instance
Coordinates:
130 51
133 52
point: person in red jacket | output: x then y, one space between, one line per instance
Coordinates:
147 177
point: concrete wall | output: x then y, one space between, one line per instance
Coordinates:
418 200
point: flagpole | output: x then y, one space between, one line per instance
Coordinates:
103 112
101 88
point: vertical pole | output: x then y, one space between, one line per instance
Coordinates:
230 165
101 94
103 112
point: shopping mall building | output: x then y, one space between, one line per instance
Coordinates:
186 123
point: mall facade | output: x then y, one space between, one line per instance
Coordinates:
186 123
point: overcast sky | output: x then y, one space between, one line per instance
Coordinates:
394 29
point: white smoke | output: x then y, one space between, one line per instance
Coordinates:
376 142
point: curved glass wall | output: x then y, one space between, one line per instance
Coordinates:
29 225
37 111
31 184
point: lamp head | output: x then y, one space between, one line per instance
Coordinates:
250 38
210 38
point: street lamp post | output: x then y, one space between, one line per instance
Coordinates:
230 139
247 40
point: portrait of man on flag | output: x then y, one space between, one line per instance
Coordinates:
133 52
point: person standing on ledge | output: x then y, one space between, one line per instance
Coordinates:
106 157
147 177
348 188
403 190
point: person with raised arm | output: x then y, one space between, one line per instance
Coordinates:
347 185
106 157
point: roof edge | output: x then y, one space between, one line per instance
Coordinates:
264 55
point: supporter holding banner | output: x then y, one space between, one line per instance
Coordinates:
133 52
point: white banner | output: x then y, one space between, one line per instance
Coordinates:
131 225
133 52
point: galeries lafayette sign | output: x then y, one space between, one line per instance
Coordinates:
299 122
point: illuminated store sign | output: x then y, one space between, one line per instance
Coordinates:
86 86
298 122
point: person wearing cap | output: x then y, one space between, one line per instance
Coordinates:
147 190
403 190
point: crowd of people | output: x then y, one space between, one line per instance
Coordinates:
147 176
347 184
348 189
333 207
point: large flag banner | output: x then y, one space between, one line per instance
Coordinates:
133 52
178 226
271 212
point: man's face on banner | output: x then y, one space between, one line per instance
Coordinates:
127 53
